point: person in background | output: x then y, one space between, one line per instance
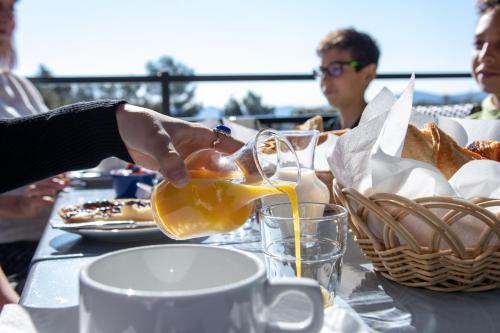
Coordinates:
349 60
18 97
486 59
23 211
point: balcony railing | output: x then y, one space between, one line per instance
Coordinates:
165 79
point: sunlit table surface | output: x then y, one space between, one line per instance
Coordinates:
383 305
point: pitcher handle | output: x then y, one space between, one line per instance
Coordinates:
305 286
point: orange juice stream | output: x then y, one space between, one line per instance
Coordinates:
294 203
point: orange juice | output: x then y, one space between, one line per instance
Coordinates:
208 204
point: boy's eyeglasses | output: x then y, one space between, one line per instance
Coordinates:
336 69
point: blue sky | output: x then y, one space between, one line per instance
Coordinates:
117 37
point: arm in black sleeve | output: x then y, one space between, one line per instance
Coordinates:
73 137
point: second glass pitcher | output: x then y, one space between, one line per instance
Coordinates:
219 198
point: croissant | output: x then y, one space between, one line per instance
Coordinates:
489 149
433 146
419 146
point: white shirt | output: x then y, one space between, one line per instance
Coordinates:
18 97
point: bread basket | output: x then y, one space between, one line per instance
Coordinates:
458 268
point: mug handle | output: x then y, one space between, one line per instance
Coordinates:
305 286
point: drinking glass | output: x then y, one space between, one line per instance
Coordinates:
323 236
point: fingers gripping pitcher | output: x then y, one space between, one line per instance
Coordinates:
219 198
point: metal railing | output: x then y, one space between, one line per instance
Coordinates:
165 79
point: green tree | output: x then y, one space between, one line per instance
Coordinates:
232 108
252 104
181 94
56 95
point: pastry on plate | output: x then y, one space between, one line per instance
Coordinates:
108 210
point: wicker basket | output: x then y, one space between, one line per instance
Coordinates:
455 269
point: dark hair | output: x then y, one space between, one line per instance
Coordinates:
484 5
362 47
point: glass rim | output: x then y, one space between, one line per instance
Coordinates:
343 211
298 132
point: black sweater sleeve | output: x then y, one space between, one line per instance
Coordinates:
73 137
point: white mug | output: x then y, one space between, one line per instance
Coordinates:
187 288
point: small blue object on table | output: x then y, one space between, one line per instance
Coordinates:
125 185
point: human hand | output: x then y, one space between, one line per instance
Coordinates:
159 142
29 201
47 187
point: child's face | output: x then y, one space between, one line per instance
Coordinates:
486 52
347 85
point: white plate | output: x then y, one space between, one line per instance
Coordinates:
117 235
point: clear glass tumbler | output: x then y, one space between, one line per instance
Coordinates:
323 236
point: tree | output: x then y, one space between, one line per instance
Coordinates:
232 108
181 94
56 95
253 105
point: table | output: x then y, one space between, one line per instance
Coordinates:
383 305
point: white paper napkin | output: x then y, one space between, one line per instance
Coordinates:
464 131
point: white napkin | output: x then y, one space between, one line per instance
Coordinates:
367 158
464 131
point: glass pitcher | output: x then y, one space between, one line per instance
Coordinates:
311 188
219 198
